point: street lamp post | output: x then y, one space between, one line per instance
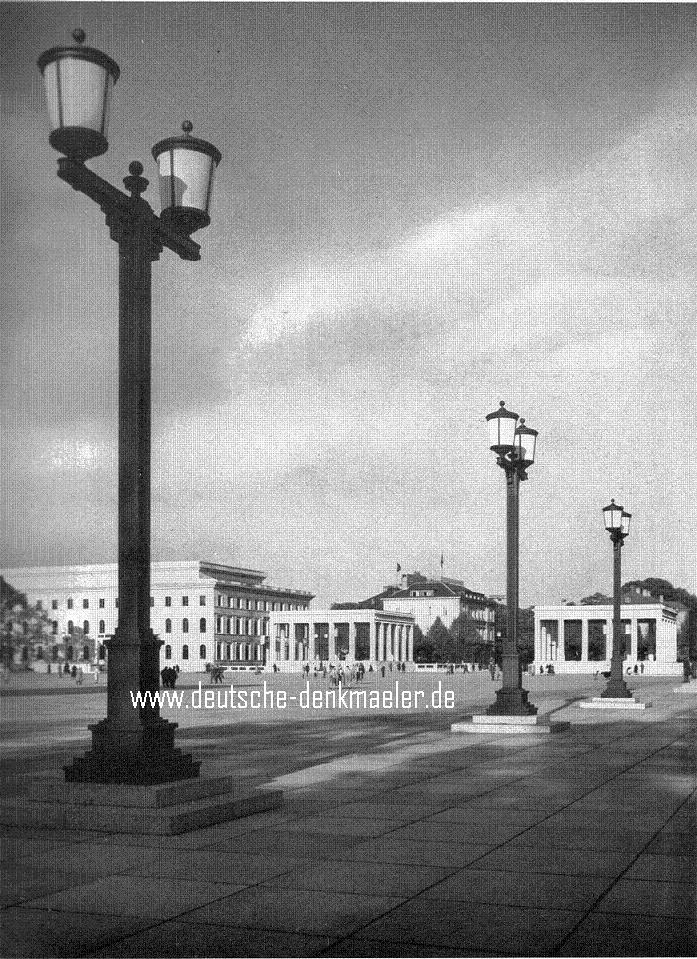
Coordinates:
617 524
131 745
514 444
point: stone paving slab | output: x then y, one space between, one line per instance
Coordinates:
189 940
473 885
362 878
412 852
363 948
681 869
382 849
149 898
295 910
37 932
630 935
223 866
649 898
520 931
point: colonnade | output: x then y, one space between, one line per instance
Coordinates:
555 624
330 636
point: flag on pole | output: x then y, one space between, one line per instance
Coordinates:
399 568
441 561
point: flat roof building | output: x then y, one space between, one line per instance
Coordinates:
330 636
203 612
578 639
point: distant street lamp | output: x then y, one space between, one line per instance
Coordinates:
514 444
131 745
617 524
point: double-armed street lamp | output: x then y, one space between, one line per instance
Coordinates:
131 745
514 444
617 522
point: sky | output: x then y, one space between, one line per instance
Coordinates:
421 210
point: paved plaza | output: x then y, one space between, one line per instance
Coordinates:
395 838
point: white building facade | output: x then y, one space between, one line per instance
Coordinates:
202 612
445 599
330 636
578 639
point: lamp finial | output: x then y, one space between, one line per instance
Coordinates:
79 35
136 182
187 127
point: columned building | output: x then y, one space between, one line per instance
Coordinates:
331 636
203 612
578 639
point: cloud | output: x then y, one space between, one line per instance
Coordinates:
625 215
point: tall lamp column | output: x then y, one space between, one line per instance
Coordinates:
514 445
617 524
133 744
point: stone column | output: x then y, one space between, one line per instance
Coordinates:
352 641
331 643
410 644
663 653
584 639
311 642
561 657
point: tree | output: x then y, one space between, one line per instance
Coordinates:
25 630
442 642
423 648
526 633
467 639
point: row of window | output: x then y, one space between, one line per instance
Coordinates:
71 627
245 602
238 601
202 654
242 651
70 604
185 625
241 627
102 626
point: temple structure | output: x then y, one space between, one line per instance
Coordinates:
370 636
578 639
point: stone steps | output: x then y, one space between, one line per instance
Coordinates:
509 726
608 702
166 809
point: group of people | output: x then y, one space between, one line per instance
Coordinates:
169 676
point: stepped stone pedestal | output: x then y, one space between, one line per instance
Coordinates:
509 725
166 809
609 702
